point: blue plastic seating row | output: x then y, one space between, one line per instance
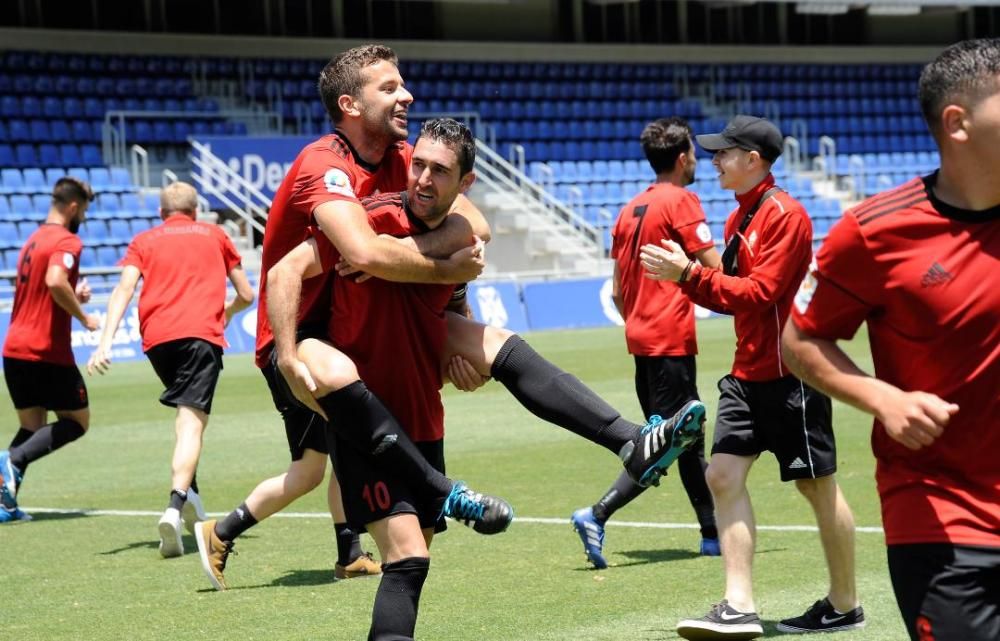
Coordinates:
90 107
35 180
50 155
56 62
66 85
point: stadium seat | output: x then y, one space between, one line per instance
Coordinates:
25 156
5 213
9 236
40 204
119 231
90 155
34 181
21 207
11 181
100 180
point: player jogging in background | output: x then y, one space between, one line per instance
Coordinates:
38 363
659 322
183 264
919 265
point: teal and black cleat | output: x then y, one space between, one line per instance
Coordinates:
10 478
660 442
483 513
9 516
591 532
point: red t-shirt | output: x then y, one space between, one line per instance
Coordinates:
923 275
40 328
184 267
394 332
659 318
773 256
326 170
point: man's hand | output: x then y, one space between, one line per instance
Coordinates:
467 264
300 382
464 376
664 263
92 322
345 270
100 361
83 291
915 419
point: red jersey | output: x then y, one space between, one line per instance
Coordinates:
659 318
773 256
326 170
923 275
394 332
184 267
39 327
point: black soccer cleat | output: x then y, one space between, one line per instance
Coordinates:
660 442
483 513
823 617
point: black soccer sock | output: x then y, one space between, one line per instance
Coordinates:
558 397
194 483
620 494
394 616
692 466
45 440
235 523
177 498
348 543
21 436
360 418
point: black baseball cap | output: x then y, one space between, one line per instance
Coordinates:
746 132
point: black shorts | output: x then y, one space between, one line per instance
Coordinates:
189 369
304 428
40 384
371 494
947 591
665 383
785 416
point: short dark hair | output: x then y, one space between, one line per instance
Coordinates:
966 71
342 75
69 189
663 142
457 135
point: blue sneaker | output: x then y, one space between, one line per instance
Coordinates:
591 532
8 516
660 442
10 477
710 547
483 513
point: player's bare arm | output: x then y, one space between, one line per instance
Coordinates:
121 296
244 293
616 290
709 257
346 225
57 280
284 292
914 419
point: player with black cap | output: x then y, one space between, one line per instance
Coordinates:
762 406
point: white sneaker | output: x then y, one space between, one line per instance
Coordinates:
171 544
193 511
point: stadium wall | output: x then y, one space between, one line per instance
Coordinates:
257 47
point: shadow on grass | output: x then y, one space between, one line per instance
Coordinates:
294 578
55 516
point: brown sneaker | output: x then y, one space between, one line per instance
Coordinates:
213 552
364 565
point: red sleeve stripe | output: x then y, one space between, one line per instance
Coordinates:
891 208
878 203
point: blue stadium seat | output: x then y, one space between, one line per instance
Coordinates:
11 181
130 204
69 155
9 237
139 225
119 231
88 257
40 204
90 155
5 213
121 181
52 174
34 181
40 131
100 181
108 256
25 156
94 232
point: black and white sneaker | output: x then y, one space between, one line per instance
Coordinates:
722 622
823 617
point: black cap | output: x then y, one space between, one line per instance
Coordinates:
746 132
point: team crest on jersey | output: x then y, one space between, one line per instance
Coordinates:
337 182
807 288
703 232
68 260
752 240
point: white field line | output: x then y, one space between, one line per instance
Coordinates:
519 519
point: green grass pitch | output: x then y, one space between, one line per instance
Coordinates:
71 577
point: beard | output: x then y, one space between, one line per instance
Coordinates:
380 126
74 225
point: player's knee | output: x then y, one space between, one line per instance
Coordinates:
334 372
722 481
304 476
494 338
814 489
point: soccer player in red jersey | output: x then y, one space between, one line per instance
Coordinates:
919 265
182 313
762 406
659 321
38 362
367 102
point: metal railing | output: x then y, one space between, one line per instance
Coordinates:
217 179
